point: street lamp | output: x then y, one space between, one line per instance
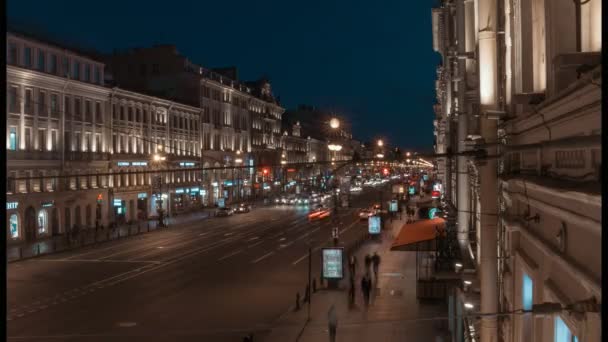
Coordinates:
334 123
380 143
157 158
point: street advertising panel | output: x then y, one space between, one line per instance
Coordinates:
374 224
412 190
221 202
333 263
433 213
393 206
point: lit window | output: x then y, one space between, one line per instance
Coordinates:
527 293
562 332
42 221
14 226
13 139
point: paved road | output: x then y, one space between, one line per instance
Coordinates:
210 281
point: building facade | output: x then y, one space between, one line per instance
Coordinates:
521 81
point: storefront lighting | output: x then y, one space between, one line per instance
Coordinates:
468 282
469 306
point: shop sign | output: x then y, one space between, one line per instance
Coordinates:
186 164
194 190
179 191
142 195
433 213
227 183
221 202
333 263
47 204
139 164
117 202
374 224
123 164
216 184
412 190
291 170
12 205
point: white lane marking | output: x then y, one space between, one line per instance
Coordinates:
286 245
203 234
102 261
228 234
255 244
302 258
126 324
229 255
282 239
262 257
319 247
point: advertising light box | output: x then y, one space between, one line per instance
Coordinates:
374 224
221 202
333 263
393 206
412 190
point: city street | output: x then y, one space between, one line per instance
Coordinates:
217 280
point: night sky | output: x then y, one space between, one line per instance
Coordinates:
372 62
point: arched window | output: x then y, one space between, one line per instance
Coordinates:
14 226
43 222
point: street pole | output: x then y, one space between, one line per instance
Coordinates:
309 279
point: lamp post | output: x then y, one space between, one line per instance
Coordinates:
335 147
238 161
158 159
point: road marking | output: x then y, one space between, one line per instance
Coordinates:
262 257
253 238
298 261
286 245
101 261
228 234
229 255
255 244
126 324
282 239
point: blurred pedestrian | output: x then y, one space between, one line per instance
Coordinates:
366 286
368 262
353 265
376 263
332 319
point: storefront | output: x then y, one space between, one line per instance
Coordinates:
142 206
120 210
157 202
195 197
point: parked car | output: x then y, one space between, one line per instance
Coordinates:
364 214
224 212
243 208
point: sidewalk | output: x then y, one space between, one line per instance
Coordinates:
89 237
388 318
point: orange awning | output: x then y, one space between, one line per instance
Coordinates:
418 236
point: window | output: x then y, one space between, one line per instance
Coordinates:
53 64
27 57
14 226
12 100
41 60
527 296
87 142
54 105
88 111
114 143
65 65
28 108
98 142
68 109
12 53
130 117
562 333
97 75
28 138
42 221
138 115
77 109
87 73
12 139
53 140
98 118
42 104
76 71
122 112
41 139
155 69
77 141
145 118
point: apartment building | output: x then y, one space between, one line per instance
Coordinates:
521 80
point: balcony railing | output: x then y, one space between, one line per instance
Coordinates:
33 155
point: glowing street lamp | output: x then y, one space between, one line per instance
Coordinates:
380 143
334 123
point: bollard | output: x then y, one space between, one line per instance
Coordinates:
307 294
20 252
314 285
297 301
148 227
38 249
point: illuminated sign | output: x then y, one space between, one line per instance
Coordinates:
194 190
186 164
333 263
179 191
142 195
215 184
433 213
221 202
425 177
139 164
117 202
227 183
393 206
11 205
123 164
48 204
435 194
374 224
412 190
291 170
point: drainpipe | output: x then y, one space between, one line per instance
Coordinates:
463 175
488 89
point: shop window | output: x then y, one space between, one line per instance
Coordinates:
12 145
42 222
14 226
527 295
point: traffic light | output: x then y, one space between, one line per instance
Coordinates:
265 172
385 171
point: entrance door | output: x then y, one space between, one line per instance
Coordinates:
68 220
30 224
78 219
89 216
54 222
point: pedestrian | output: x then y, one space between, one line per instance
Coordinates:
332 319
366 286
353 265
368 262
351 291
376 262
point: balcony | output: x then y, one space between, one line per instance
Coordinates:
33 155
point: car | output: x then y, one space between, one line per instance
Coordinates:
355 189
364 214
319 213
221 212
242 208
303 200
